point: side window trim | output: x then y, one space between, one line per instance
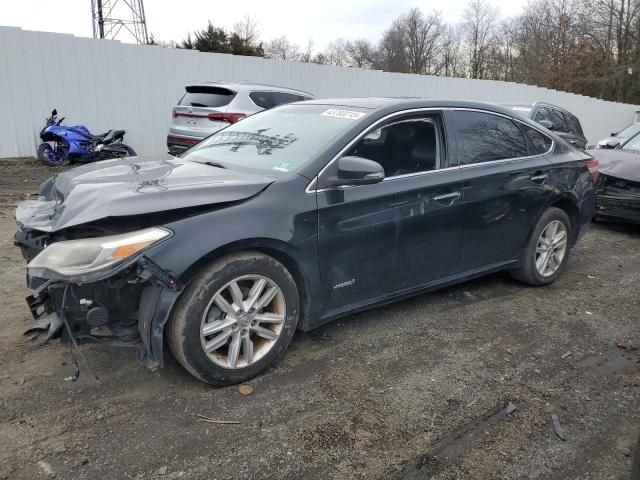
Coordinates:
312 185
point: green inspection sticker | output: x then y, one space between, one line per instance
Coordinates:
283 167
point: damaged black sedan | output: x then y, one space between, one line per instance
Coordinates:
294 217
618 186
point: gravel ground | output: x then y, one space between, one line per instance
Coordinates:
414 390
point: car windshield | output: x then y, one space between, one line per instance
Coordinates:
280 140
632 145
630 131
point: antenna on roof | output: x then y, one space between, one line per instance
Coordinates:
119 19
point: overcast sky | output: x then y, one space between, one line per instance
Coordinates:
322 21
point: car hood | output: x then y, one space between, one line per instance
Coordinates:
618 163
133 186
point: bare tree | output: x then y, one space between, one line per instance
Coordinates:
247 30
423 40
337 53
361 53
307 55
452 58
391 53
281 48
479 21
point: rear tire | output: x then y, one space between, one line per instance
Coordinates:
267 329
116 150
535 271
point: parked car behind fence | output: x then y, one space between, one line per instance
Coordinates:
560 121
207 107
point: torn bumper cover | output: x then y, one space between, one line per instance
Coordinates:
618 199
124 305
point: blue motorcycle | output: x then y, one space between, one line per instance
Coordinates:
63 144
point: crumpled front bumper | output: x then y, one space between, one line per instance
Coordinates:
135 303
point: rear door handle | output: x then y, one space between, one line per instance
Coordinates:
447 197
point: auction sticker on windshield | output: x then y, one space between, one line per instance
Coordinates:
350 114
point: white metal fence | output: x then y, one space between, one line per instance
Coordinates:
106 84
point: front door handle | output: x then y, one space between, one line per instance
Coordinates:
447 197
539 178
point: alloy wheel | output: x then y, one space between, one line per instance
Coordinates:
551 248
243 321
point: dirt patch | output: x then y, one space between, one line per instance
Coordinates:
20 179
412 390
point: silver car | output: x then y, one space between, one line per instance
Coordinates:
207 107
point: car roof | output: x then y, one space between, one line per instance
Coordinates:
249 86
393 104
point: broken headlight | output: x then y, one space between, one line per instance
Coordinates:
86 259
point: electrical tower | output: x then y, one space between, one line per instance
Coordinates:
121 19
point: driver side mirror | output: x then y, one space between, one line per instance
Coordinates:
356 171
546 124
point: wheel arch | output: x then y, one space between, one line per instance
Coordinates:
283 252
568 204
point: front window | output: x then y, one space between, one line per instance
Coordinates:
404 147
280 140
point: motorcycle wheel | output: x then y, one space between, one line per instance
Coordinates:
51 157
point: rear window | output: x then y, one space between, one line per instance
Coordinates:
541 143
558 120
210 97
273 99
280 98
262 99
486 137
577 128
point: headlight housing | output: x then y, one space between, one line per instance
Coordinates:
90 258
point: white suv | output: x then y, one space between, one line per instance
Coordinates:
207 107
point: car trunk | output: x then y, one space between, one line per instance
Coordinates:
192 115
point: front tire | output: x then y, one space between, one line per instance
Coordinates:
51 157
235 319
547 249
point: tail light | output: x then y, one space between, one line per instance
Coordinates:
174 114
227 117
593 165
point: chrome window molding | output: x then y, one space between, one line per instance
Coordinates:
311 188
